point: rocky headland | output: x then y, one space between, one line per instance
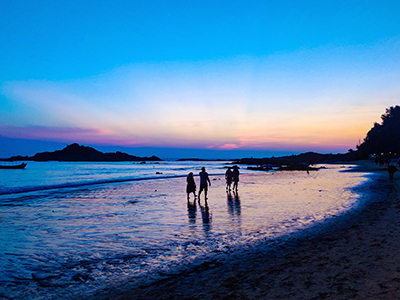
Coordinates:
76 152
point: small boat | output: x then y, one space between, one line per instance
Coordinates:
20 166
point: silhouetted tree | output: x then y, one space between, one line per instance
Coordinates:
384 137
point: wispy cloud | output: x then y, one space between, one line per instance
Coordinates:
308 98
59 134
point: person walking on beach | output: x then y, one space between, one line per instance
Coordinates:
203 182
235 177
191 185
228 178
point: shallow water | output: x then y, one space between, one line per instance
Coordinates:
51 175
62 242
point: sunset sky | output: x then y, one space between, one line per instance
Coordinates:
196 78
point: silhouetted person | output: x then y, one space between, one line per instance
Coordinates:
203 182
391 169
191 185
228 178
235 177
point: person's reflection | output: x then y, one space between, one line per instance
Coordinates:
237 203
233 202
206 217
229 200
191 208
234 211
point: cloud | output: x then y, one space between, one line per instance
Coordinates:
60 134
321 97
225 147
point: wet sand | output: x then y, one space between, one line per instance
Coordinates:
355 257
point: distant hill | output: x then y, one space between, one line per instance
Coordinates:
201 159
75 152
307 158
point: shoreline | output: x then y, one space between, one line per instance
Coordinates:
354 256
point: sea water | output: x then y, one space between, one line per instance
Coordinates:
67 229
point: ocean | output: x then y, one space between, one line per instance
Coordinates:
71 228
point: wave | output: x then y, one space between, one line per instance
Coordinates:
26 189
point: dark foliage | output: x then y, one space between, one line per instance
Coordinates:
308 158
384 137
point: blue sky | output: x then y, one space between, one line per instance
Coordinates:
256 78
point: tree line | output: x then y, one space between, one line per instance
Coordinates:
383 138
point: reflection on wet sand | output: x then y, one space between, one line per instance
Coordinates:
206 217
191 209
233 202
234 209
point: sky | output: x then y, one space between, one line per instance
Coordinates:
212 79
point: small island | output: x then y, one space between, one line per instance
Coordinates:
76 152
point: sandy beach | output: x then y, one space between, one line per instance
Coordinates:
355 257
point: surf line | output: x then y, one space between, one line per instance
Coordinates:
28 189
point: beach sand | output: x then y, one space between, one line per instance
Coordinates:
357 258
